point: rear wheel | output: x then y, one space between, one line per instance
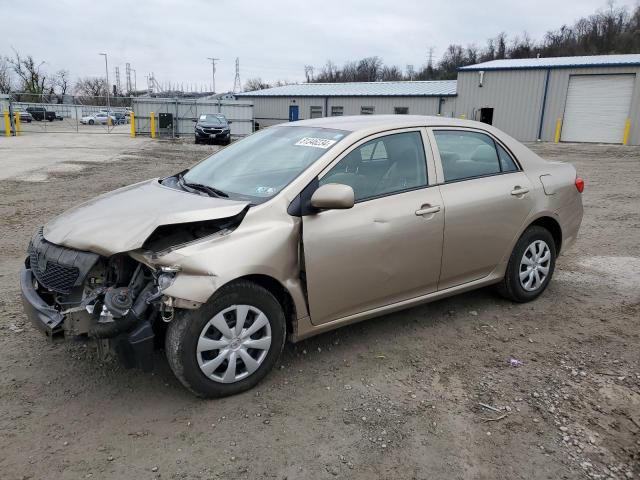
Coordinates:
530 267
229 344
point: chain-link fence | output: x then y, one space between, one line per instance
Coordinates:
180 115
173 117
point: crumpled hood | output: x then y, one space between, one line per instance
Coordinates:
122 220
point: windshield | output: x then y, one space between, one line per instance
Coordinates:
259 166
213 119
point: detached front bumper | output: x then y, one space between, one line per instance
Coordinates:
42 315
134 349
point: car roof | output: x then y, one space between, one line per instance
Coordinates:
367 122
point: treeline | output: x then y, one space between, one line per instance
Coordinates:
610 31
29 80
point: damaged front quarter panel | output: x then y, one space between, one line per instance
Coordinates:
212 262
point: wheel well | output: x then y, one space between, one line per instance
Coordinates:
554 229
278 291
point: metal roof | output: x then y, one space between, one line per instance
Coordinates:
557 62
360 89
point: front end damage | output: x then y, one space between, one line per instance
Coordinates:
117 300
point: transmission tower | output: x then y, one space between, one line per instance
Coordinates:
430 58
127 74
236 83
118 86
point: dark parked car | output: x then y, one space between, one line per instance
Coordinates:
213 127
121 119
41 113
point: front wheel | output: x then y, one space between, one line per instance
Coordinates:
230 343
530 267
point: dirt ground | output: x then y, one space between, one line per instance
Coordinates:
395 397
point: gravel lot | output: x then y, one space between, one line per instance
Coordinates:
394 397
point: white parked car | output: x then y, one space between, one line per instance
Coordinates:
101 118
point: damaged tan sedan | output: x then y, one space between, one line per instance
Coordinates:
296 230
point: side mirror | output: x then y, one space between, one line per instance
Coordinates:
333 196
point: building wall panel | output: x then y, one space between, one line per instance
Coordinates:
515 96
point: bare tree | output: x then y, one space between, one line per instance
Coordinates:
6 83
61 81
254 84
28 71
390 74
91 87
308 73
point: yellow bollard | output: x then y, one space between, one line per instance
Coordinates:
463 116
556 139
132 119
627 131
7 124
18 126
152 118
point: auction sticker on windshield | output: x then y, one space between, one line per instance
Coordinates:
323 143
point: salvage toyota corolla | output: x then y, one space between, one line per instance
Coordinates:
296 230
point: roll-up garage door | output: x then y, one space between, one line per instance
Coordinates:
597 108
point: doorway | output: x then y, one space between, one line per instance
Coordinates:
293 113
486 115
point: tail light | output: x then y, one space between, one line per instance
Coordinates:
579 184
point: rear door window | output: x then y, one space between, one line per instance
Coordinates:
465 154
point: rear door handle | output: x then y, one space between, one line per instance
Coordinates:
427 209
519 191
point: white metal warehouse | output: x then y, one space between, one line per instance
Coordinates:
311 100
587 99
578 99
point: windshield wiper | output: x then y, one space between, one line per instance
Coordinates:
211 191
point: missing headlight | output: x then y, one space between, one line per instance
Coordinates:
170 236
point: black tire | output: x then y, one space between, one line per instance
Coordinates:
197 140
91 122
184 331
510 286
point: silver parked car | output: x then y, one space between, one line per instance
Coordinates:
296 230
99 118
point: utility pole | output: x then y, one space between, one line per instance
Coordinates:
118 85
213 72
106 70
236 83
127 75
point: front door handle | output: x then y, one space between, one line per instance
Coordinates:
427 209
519 191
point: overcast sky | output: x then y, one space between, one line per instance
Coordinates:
273 38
